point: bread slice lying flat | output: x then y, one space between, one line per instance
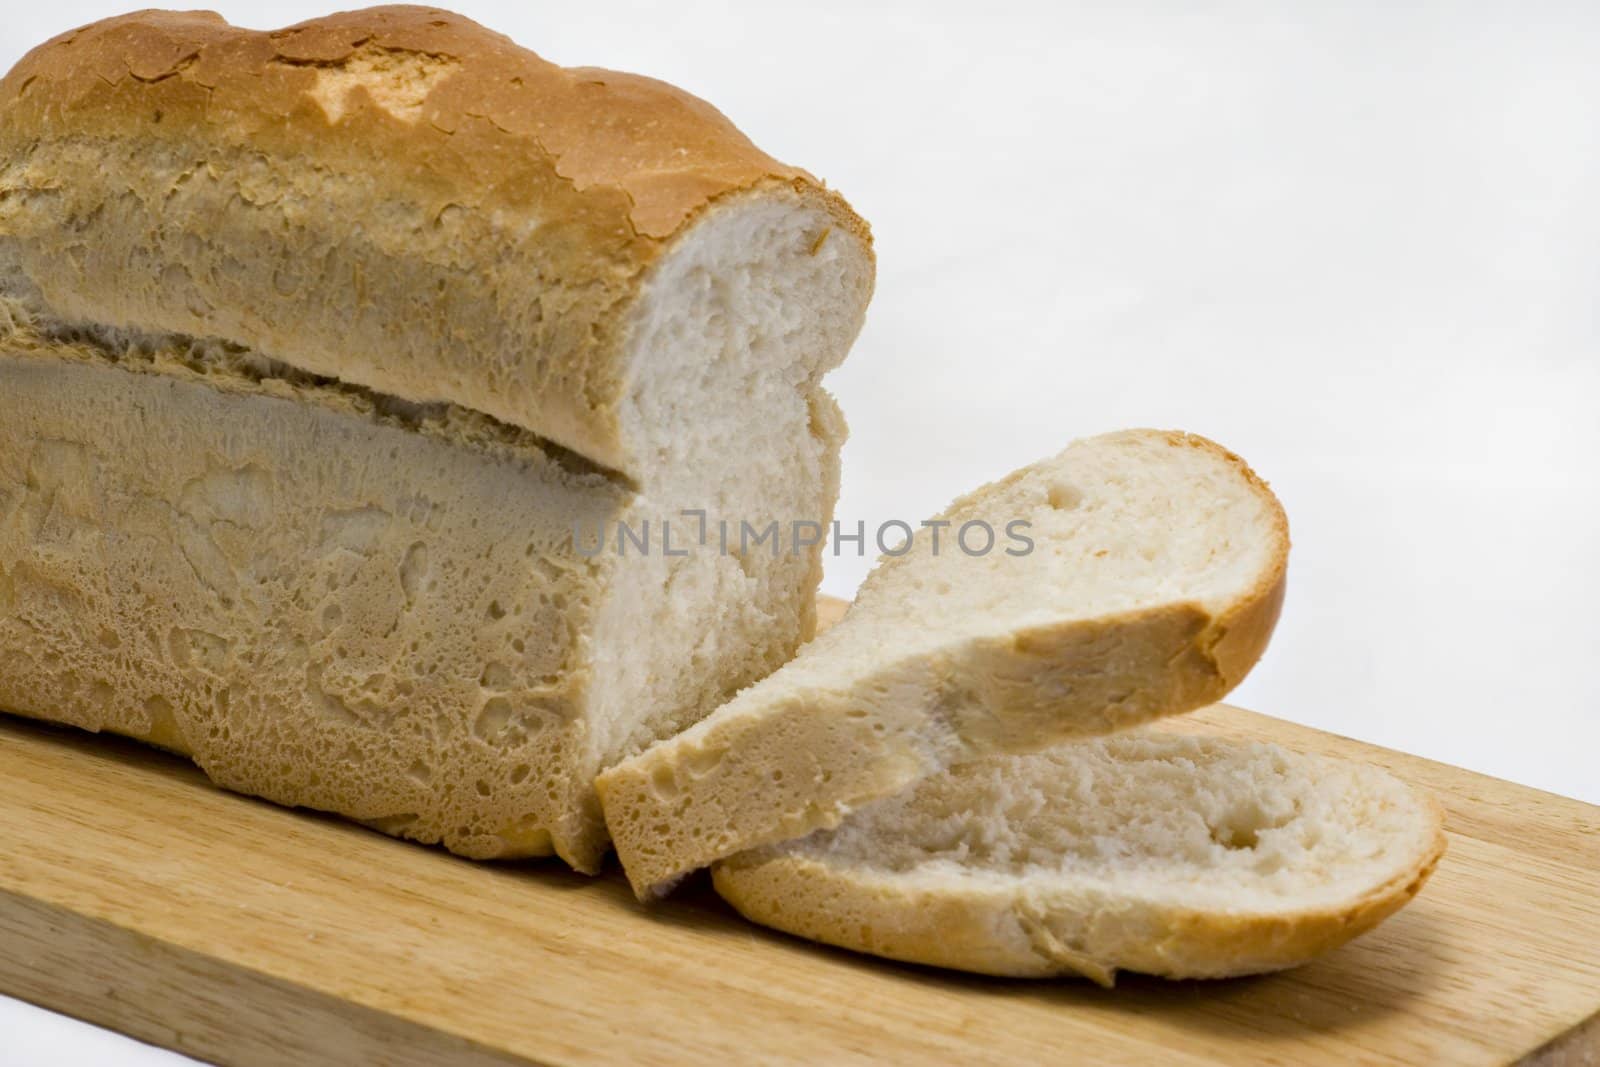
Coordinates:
1155 578
1173 855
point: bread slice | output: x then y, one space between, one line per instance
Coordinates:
1155 578
327 355
1181 856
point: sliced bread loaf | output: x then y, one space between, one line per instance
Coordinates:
329 356
1173 855
1155 576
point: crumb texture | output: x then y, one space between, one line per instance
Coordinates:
1188 820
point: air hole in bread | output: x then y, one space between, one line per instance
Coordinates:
1242 827
1239 837
493 719
1064 496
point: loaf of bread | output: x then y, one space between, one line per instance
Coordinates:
327 358
1145 581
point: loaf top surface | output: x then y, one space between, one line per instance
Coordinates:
387 83
404 201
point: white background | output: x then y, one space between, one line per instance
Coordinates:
1356 244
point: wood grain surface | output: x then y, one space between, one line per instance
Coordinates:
136 895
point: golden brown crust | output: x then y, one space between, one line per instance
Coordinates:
642 154
1006 928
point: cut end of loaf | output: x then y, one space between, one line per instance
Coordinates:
1183 857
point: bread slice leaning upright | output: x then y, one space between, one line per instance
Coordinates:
1132 576
1180 856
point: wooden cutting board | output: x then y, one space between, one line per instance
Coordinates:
135 895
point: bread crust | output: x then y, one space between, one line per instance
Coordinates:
811 757
397 180
1007 927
